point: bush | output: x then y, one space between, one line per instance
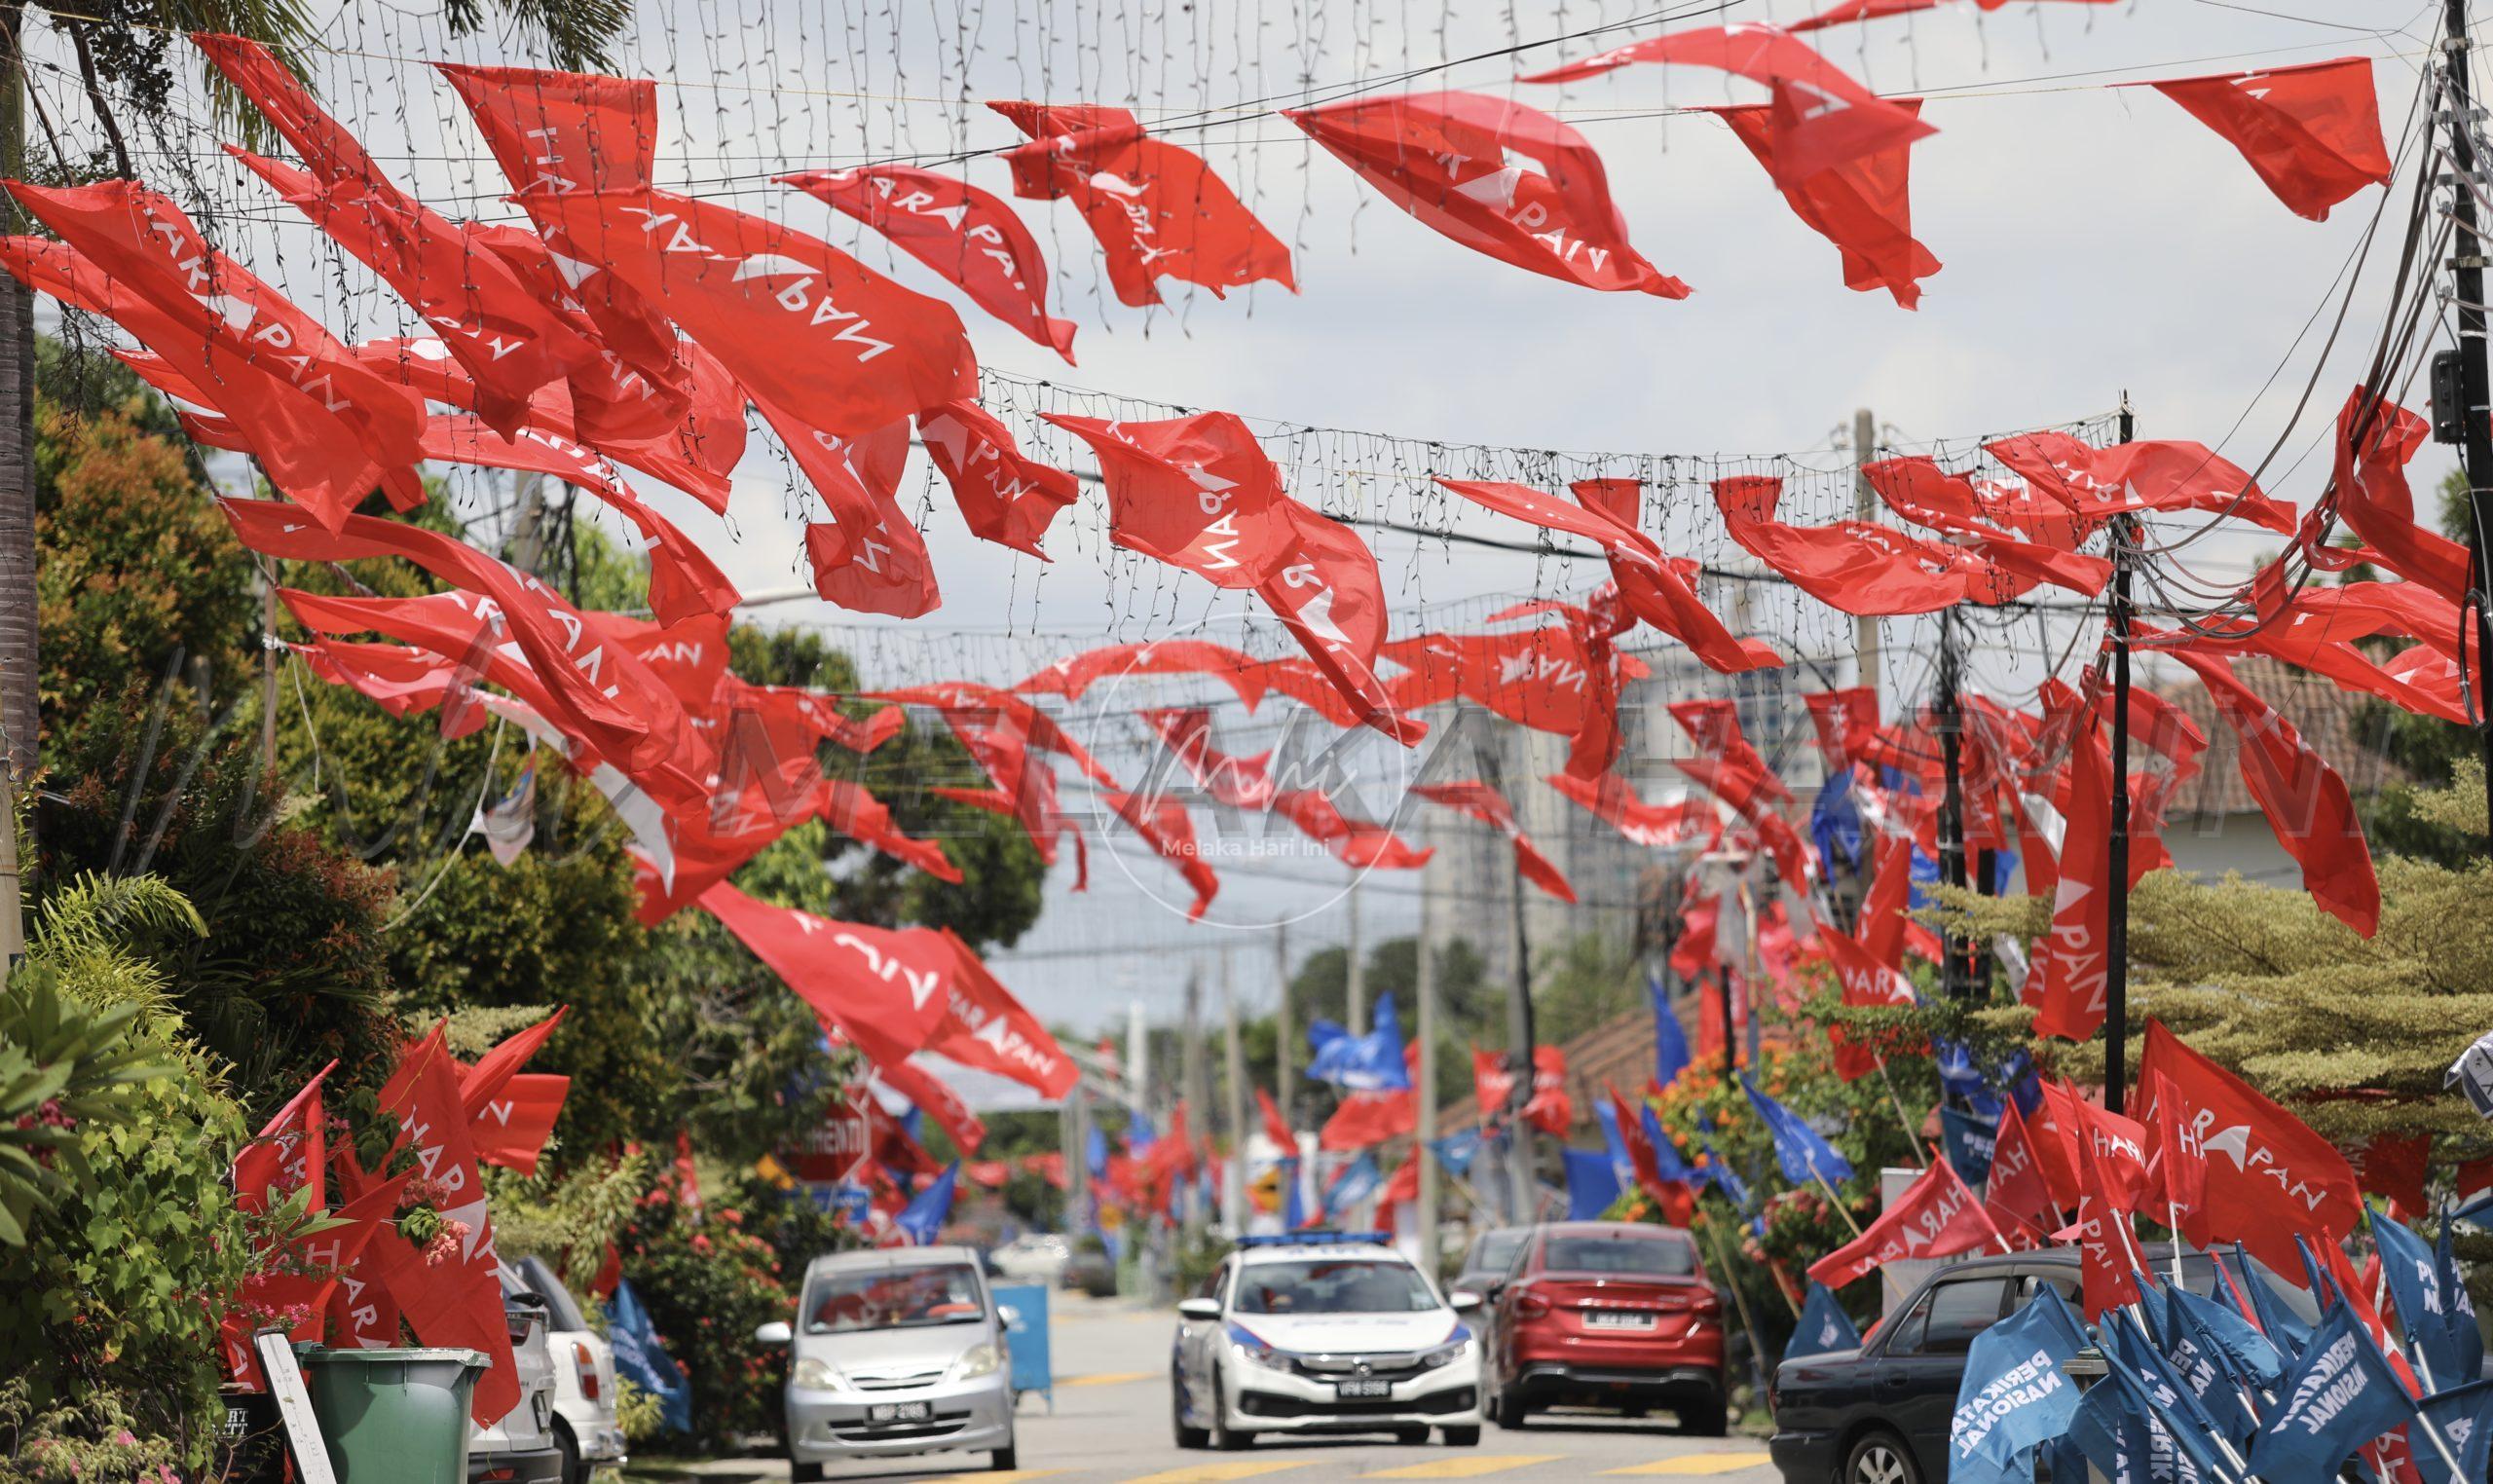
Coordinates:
82 1443
708 1283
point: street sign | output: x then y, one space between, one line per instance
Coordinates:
838 1147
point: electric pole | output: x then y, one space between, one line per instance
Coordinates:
1284 1037
1952 805
1197 1091
1355 969
2475 388
1233 1170
1865 506
2116 911
1425 1084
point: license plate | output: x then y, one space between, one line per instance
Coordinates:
1617 1320
1375 1385
899 1412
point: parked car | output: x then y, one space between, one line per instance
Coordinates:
1880 1413
1323 1333
585 1429
1613 1315
1033 1257
1486 1261
519 1448
895 1352
1091 1268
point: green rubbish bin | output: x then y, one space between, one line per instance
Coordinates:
392 1416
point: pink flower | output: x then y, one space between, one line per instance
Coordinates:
125 1439
702 1243
447 1244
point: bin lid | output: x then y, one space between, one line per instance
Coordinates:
314 1352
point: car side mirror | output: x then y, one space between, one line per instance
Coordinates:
1464 1301
776 1333
1007 1315
1199 1309
1490 1295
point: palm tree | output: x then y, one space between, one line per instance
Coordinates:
124 50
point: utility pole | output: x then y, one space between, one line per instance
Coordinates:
1354 983
1284 1036
1197 1091
1865 506
2116 911
1424 1098
1526 1189
1951 807
1233 1170
1138 1060
2476 385
1077 1156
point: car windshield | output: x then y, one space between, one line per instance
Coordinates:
563 1311
1333 1285
1495 1252
893 1298
1643 1256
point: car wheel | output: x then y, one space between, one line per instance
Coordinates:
574 1471
805 1473
1005 1459
1704 1418
1880 1458
1221 1439
1461 1437
1187 1438
1507 1406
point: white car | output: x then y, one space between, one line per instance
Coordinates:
1324 1332
1035 1258
585 1424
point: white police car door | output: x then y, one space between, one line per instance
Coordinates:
1199 1344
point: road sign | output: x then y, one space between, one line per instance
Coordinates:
838 1147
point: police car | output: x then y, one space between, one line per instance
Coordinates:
1324 1332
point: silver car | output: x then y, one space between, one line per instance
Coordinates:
585 1424
895 1352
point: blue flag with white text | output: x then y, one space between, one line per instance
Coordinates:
2339 1396
2463 1416
1969 1143
1456 1151
1352 1183
1824 1326
2014 1395
1803 1153
2248 1354
641 1359
2412 1270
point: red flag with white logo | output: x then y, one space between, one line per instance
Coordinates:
2018 1193
1494 175
1195 492
1005 496
987 1027
868 557
891 991
1482 802
1325 591
963 233
2068 985
291 1152
1862 204
2312 132
1863 982
1936 1217
1157 211
2109 1262
1611 799
2268 1176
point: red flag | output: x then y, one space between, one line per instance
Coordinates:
2180 1162
1276 1128
2054 1126
1821 117
1164 825
1885 928
1400 1188
2068 985
510 1114
1458 162
1156 209
2312 132
1745 790
1489 806
1240 783
1862 980
2396 1168
1936 1217
2306 801
1862 205
1327 593
1613 801
891 992
1005 497
1848 12
2268 1174
985 1027
961 231
2117 1147
2109 1261
868 557
1364 1120
1359 843
1713 724
1868 568
2374 500
1195 492
598 691
807 329
493 1070
2018 1192
2152 475
1550 1108
1075 674
304 1278
291 1152
1493 1083
935 1098
449 1293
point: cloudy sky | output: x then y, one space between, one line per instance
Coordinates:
2097 242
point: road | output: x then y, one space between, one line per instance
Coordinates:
1110 1426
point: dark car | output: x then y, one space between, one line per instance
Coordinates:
1880 1413
1613 1315
1492 1253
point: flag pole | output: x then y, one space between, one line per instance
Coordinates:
1836 1200
2124 536
1913 1135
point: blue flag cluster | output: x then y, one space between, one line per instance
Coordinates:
1592 1184
2016 1396
1806 1155
1824 1328
1369 1063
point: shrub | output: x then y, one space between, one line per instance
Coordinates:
708 1284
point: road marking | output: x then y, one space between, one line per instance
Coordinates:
1106 1378
1009 1477
1696 1462
1213 1473
1469 1465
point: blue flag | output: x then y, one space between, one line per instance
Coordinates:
2132 1352
1592 1185
1095 1152
2206 1371
1824 1326
2462 1316
2014 1395
2425 1310
1806 1158
1969 1143
2339 1396
2124 1438
927 1210
1622 1166
1670 1043
2463 1416
1369 1063
640 1359
1140 1134
1352 1183
1719 1171
2284 1328
1666 1161
1835 827
1294 1198
1457 1151
2246 1352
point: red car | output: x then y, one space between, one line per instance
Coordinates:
1614 1314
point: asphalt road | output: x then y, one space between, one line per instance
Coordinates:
1110 1426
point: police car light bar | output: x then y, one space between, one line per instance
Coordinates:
1321 1237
